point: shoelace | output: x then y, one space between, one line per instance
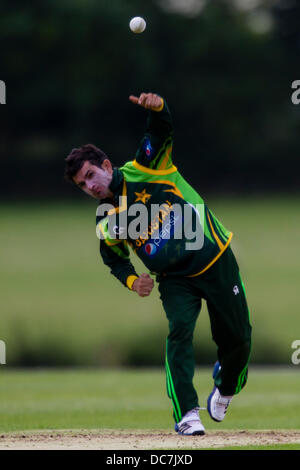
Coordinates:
193 413
221 402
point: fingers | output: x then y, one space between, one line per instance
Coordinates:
147 100
139 100
144 100
145 280
145 285
134 99
145 293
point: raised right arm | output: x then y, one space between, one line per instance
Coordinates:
155 149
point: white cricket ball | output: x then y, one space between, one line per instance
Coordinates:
137 24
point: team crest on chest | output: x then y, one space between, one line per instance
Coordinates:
143 196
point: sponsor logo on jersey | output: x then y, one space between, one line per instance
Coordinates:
164 235
152 229
148 149
150 249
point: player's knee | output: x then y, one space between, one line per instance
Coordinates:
241 352
181 331
245 350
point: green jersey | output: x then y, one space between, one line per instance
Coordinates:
178 235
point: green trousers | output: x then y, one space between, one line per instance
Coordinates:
223 290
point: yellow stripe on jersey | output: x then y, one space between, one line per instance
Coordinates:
106 235
215 259
163 165
220 244
175 189
150 171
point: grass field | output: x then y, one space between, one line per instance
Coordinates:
130 400
60 306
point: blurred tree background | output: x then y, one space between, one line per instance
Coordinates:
226 68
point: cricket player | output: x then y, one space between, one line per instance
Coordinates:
188 252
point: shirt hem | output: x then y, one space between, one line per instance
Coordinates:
215 259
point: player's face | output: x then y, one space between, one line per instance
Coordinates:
95 181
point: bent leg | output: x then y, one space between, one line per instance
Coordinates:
230 324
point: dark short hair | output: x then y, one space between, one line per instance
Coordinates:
77 157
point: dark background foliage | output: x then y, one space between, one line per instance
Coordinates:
69 67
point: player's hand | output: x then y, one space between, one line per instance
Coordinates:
143 285
148 101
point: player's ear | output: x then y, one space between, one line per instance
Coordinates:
106 165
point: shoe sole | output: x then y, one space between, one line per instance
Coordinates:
208 406
216 369
195 433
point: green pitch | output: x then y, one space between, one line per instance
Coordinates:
60 305
136 399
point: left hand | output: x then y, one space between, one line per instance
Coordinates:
148 101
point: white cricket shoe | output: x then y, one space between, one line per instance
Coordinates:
217 405
190 425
